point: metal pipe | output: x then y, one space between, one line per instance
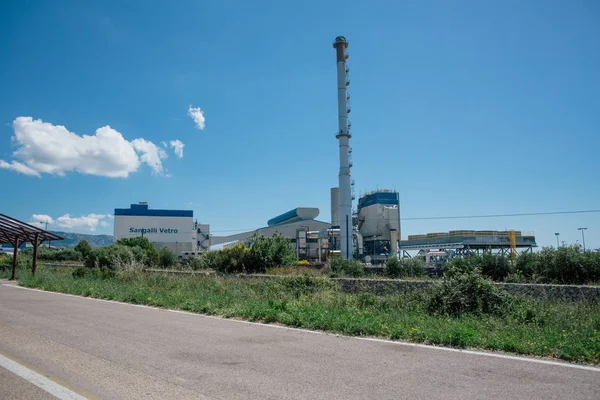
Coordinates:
343 136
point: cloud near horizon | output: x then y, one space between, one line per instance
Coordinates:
44 148
85 223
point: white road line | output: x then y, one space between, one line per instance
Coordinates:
38 380
369 339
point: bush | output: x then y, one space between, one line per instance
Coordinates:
152 256
407 267
114 256
528 265
568 265
229 260
79 272
493 266
84 248
46 254
167 258
343 267
268 252
464 290
259 254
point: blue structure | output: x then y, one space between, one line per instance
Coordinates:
142 210
385 198
295 215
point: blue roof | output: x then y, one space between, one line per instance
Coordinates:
290 216
141 210
390 198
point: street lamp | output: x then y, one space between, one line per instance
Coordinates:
582 237
556 233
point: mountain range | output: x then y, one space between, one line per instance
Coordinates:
71 239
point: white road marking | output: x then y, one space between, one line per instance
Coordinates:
370 339
38 380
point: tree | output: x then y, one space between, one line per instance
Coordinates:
167 257
84 248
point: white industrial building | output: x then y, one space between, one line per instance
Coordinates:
299 225
174 229
378 221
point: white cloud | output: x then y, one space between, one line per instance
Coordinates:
52 149
197 115
86 223
177 147
17 166
150 154
40 220
164 144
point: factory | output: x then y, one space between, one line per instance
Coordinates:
174 229
372 233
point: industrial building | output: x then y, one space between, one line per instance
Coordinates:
174 229
372 233
299 225
378 221
438 247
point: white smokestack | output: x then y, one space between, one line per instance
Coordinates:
335 207
343 135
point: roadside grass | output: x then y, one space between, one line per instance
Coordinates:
568 331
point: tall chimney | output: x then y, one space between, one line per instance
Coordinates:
343 135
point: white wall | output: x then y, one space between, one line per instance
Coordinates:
157 229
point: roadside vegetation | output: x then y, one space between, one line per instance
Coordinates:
273 255
461 310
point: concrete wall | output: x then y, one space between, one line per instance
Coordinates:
391 286
556 292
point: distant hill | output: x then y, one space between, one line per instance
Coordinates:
71 239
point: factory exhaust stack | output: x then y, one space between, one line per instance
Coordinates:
343 135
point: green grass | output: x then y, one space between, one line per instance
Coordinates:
568 331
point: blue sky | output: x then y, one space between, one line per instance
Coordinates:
464 107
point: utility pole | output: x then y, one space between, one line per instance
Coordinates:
557 234
582 237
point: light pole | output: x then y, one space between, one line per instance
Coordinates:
557 233
582 237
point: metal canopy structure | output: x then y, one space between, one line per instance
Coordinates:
15 232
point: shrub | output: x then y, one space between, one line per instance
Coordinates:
153 258
79 272
113 257
460 265
466 291
229 260
341 266
406 267
564 265
167 258
493 266
528 265
267 252
257 255
84 248
45 254
208 260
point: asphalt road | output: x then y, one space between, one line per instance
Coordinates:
116 351
13 387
